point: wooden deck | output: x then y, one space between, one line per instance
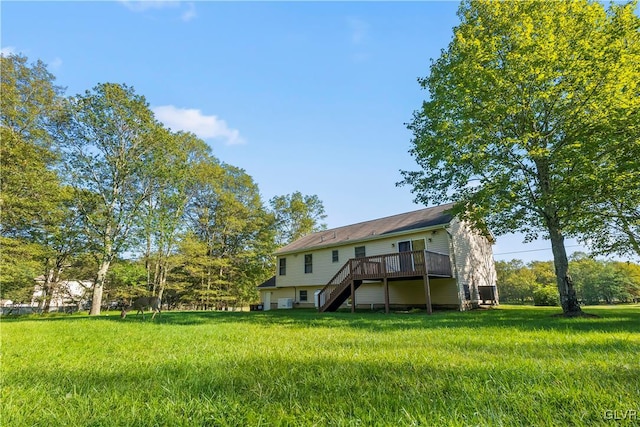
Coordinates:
394 266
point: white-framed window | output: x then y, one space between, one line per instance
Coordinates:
308 263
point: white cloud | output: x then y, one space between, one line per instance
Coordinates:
7 50
359 30
192 120
190 13
144 5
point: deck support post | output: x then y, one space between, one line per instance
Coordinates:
353 296
427 294
386 286
386 295
427 289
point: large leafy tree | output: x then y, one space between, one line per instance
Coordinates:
515 281
527 96
232 235
172 183
610 219
28 183
296 216
37 226
108 139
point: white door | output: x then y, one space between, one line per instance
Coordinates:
267 301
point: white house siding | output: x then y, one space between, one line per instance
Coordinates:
437 241
473 258
324 269
66 293
291 292
444 292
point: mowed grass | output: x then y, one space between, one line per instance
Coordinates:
509 366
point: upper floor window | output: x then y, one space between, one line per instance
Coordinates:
308 263
360 252
282 267
334 256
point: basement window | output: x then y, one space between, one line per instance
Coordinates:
303 296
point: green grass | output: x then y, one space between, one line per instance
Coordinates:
509 366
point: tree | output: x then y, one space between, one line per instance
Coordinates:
525 96
172 185
127 280
28 183
37 225
232 235
515 281
107 139
631 274
610 218
296 216
604 281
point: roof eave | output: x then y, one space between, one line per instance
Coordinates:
365 239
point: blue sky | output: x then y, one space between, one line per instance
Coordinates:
305 96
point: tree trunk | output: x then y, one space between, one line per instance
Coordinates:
568 297
98 287
47 290
162 282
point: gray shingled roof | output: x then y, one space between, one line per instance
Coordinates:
269 283
423 218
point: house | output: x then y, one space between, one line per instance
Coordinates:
66 295
426 258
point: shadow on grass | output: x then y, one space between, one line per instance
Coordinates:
610 319
626 318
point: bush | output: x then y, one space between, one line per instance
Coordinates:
546 295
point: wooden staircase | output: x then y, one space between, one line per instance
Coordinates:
415 264
338 289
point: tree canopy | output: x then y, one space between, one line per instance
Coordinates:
296 216
530 102
94 188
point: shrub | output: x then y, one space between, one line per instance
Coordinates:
546 296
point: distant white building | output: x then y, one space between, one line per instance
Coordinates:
68 293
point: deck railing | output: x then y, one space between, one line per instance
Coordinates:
339 280
378 267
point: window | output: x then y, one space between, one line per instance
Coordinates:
334 256
308 263
303 296
467 293
411 245
360 252
282 266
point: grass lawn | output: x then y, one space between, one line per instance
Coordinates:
509 366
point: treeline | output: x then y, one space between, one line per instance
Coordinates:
94 187
596 281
